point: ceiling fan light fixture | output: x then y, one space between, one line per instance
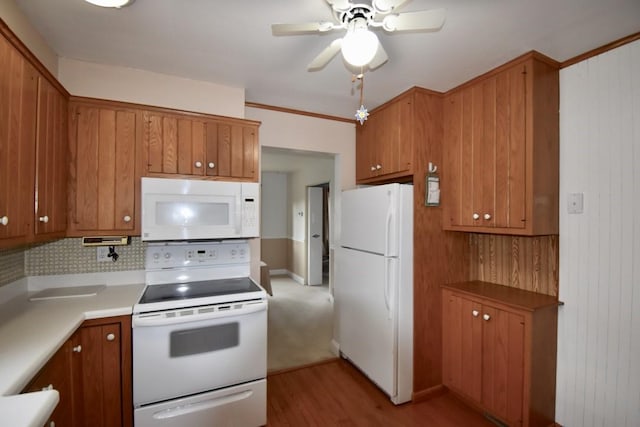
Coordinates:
359 45
110 3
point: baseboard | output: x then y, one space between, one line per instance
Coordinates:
297 368
429 393
279 272
335 347
295 277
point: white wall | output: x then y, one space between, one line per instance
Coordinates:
19 24
598 381
273 199
299 132
144 87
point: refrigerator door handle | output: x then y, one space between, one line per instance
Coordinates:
388 277
387 231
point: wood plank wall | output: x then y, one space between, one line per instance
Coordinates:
439 256
529 263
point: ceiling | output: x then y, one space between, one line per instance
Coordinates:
230 43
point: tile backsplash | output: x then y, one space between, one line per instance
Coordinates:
11 265
66 256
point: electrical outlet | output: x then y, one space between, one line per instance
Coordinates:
575 203
102 254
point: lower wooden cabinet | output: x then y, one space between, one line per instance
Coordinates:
499 350
92 373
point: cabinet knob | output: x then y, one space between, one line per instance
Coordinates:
49 387
4 220
487 216
373 168
111 337
198 164
475 313
52 424
211 165
44 219
378 167
126 218
77 349
486 316
476 216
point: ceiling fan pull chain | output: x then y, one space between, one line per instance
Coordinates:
361 113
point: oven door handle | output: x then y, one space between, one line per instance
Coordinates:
159 319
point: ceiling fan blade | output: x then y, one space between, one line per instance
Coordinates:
388 6
426 20
325 56
339 5
379 59
292 29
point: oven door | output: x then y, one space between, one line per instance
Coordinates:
192 350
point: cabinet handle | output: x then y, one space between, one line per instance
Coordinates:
111 337
476 216
378 167
211 165
4 220
127 218
44 219
77 349
486 316
198 164
475 313
487 216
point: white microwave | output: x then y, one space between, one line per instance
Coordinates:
185 209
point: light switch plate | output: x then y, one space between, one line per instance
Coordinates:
575 203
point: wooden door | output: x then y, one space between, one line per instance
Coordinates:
56 375
510 149
97 368
231 151
51 162
174 144
503 364
455 194
366 149
18 95
462 345
103 175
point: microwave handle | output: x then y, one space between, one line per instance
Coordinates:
239 209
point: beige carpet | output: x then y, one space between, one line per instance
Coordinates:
300 324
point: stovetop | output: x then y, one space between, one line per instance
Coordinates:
201 289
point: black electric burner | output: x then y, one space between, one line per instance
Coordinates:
200 289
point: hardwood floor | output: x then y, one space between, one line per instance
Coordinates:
335 393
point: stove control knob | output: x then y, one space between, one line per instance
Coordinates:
156 255
242 252
233 252
167 255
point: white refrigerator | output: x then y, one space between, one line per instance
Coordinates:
374 285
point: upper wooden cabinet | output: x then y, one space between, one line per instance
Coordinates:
51 163
501 155
200 146
104 183
18 116
386 142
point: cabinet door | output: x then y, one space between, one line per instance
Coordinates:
56 374
394 138
462 345
18 95
174 144
503 364
365 149
51 162
97 369
103 177
232 151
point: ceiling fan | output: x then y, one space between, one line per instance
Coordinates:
360 47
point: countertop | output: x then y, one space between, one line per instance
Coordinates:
32 331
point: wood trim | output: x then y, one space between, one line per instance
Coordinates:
429 393
408 92
164 110
602 49
29 56
298 112
520 59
